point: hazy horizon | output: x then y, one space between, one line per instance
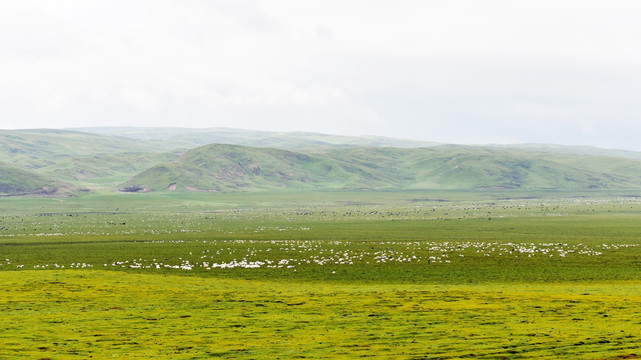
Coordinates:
86 128
461 71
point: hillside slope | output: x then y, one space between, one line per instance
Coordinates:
188 138
133 159
42 147
239 168
230 168
20 182
103 170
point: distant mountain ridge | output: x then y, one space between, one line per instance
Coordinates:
41 147
187 137
55 162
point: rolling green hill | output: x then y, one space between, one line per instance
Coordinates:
104 171
574 150
187 138
489 167
42 147
230 168
237 168
19 182
86 160
53 162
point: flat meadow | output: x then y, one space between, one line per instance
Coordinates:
405 275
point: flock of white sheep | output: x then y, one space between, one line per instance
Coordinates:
290 254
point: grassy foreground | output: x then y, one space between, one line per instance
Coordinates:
336 275
100 314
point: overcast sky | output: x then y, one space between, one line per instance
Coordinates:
564 72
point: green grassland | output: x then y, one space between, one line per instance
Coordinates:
404 275
156 243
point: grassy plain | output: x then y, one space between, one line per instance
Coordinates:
414 275
100 314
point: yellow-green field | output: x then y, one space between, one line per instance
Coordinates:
336 275
104 314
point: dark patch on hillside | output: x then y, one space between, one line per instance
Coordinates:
134 189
